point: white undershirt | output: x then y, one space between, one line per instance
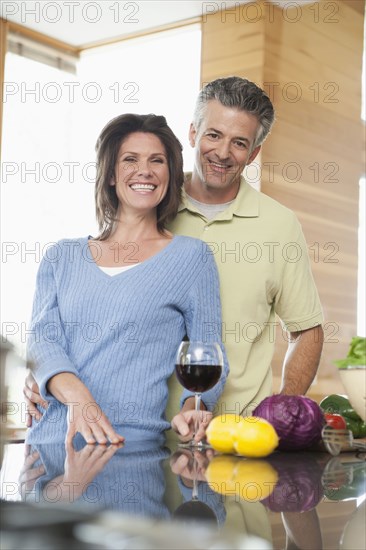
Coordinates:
116 270
210 211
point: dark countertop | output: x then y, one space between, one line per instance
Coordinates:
132 497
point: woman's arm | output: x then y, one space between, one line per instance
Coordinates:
47 344
53 370
203 320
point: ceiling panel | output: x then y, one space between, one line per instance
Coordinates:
81 22
84 21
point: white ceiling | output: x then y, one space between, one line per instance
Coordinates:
81 22
84 21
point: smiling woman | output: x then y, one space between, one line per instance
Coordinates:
51 118
102 343
136 198
141 178
137 149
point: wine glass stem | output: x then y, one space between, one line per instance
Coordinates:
197 409
195 475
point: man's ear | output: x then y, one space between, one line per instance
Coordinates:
192 135
253 154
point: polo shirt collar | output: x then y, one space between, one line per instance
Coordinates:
245 205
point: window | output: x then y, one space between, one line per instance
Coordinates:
159 74
361 294
38 196
51 121
361 290
52 118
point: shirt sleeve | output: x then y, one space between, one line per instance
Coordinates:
203 320
297 302
47 345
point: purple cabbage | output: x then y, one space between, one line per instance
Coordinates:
299 487
297 420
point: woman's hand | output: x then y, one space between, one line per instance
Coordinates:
81 467
86 417
84 414
184 424
190 464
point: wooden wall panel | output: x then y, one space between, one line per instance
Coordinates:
309 60
231 48
321 57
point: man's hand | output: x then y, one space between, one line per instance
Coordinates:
32 399
29 473
184 424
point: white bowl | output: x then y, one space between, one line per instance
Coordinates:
354 381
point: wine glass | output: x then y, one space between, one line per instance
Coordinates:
195 510
198 367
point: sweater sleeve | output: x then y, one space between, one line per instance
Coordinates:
203 320
47 344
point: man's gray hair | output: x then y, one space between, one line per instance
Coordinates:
241 94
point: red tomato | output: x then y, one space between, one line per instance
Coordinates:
336 421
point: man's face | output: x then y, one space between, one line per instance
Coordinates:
223 147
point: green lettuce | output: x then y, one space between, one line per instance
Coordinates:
356 354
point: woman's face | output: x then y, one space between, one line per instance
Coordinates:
141 172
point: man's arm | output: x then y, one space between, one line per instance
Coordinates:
302 530
301 360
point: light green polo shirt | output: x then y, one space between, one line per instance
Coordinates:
264 270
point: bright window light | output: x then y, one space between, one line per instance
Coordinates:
51 122
158 74
361 294
361 290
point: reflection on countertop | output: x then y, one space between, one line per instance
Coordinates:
144 494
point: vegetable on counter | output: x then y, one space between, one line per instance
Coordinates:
336 421
356 354
351 487
299 487
246 436
339 404
297 420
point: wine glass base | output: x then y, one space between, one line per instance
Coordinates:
195 445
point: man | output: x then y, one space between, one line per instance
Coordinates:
259 248
258 245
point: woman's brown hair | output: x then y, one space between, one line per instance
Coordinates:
107 148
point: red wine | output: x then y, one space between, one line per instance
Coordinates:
198 378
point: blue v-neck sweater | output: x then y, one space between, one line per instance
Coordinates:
119 334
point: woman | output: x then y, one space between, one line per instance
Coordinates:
110 312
